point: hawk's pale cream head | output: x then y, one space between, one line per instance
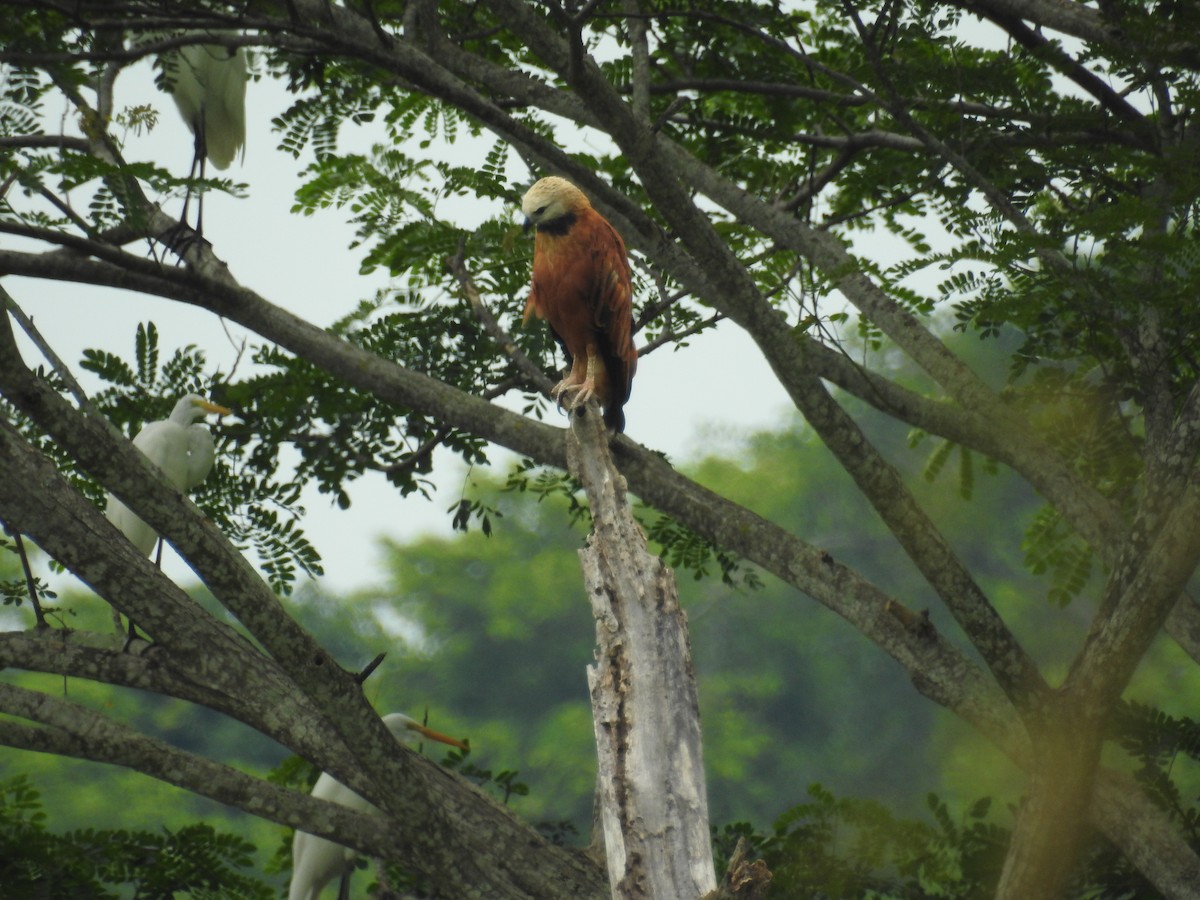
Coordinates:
550 199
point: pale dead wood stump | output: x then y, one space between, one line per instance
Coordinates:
653 808
745 878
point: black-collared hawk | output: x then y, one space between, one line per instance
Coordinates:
582 288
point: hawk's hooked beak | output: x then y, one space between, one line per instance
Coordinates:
528 224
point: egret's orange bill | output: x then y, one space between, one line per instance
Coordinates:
436 735
213 408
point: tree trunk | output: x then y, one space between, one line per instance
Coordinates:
653 805
1052 822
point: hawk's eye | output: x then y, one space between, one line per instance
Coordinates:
539 210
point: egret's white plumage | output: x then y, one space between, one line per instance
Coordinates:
316 861
209 87
179 446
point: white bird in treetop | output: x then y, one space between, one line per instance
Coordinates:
208 84
182 448
316 861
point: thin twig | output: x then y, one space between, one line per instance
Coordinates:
60 368
669 337
458 267
81 223
240 348
369 668
25 567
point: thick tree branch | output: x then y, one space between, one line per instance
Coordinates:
72 730
1146 583
335 693
1066 16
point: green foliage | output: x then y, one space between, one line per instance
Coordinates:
504 784
547 483
843 848
194 861
1156 742
339 433
464 510
682 548
966 465
1052 546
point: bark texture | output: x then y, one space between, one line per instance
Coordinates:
653 804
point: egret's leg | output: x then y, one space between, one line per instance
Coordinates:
197 167
199 158
202 153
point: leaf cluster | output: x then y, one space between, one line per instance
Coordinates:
1156 741
36 862
681 548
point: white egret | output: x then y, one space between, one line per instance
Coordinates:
183 449
316 861
208 84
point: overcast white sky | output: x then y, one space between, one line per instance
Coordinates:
684 404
